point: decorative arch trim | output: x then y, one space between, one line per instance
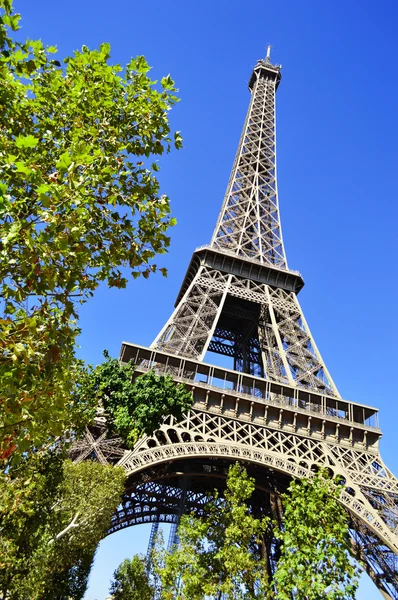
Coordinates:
134 463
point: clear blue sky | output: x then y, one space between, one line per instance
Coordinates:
337 168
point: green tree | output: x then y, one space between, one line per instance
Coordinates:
79 201
218 555
133 408
131 580
27 495
53 513
315 561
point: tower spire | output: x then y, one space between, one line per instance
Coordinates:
249 223
268 57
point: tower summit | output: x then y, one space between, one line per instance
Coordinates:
249 223
277 409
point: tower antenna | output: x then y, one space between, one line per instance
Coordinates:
268 57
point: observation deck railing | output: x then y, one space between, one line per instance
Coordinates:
257 389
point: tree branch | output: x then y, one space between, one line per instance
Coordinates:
72 525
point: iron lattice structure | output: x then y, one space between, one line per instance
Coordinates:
277 409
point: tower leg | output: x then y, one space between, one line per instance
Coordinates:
152 539
173 535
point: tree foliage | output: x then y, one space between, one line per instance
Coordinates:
216 556
131 580
79 201
134 407
219 555
26 498
315 561
53 513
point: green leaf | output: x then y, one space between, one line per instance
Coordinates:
105 49
178 140
12 21
22 168
12 234
64 162
45 200
27 141
132 581
167 83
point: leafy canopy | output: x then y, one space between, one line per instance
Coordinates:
218 555
79 201
221 555
134 407
53 514
131 580
315 561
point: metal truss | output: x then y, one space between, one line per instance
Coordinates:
97 444
249 220
158 466
243 312
370 492
152 539
156 502
264 328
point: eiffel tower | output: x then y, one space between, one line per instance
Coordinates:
277 410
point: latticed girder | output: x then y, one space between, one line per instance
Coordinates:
152 538
253 315
157 501
379 561
370 494
97 444
364 472
249 221
278 448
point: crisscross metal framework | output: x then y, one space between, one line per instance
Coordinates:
261 326
249 223
277 410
